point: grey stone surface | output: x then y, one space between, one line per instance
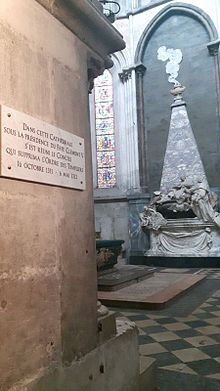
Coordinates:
138 240
112 221
182 156
106 368
106 327
147 373
122 276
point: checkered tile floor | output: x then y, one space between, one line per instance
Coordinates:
183 344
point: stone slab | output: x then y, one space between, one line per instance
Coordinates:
36 151
154 293
122 276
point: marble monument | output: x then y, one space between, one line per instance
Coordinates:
181 218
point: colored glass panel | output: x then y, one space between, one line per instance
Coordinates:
104 109
106 159
105 142
103 94
104 126
104 80
106 177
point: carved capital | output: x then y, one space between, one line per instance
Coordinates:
140 69
213 47
125 75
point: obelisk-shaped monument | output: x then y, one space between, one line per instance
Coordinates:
182 157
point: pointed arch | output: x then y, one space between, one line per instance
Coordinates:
175 9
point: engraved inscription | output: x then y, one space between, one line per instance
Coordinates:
36 151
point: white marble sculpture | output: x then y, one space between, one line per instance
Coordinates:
183 236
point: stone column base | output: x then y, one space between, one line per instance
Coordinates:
114 365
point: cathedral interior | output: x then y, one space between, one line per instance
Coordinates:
110 195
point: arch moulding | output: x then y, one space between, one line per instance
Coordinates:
175 9
212 45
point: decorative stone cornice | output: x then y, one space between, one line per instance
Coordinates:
96 68
213 47
86 20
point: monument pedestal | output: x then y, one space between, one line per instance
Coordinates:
185 238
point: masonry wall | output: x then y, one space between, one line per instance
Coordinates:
47 268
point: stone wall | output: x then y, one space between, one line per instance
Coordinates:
111 221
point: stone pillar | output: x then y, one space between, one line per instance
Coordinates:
213 48
140 70
48 277
127 77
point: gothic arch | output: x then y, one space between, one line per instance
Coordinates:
175 9
145 131
121 60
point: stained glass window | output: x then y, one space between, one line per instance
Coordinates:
105 138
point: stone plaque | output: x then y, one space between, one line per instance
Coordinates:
36 151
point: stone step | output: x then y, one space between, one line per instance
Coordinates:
147 379
123 276
154 293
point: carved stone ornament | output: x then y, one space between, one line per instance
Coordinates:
96 68
197 236
140 69
213 47
103 255
125 75
188 194
184 237
151 219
